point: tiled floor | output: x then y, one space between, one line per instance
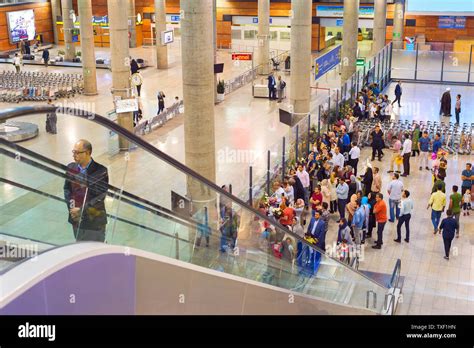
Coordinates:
432 284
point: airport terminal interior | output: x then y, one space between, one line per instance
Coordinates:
237 157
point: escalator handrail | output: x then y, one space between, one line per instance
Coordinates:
23 111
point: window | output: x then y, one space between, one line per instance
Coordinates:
273 35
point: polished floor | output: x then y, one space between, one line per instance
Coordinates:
243 123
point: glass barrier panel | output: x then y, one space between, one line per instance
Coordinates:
403 64
429 65
456 66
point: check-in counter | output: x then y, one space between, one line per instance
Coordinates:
260 90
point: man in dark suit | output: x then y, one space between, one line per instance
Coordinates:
271 87
398 93
85 190
449 225
317 229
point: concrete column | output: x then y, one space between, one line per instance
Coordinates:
87 47
120 60
301 55
380 25
398 24
55 12
68 26
214 33
132 19
349 36
197 52
263 37
160 25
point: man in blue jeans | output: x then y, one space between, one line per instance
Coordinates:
342 191
437 203
467 177
395 188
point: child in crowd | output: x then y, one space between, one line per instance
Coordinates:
343 251
466 203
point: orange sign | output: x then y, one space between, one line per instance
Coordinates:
241 56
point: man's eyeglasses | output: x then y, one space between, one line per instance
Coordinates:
74 152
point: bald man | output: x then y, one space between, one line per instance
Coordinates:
85 190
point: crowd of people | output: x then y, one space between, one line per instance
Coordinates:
326 183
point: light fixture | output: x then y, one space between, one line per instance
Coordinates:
139 18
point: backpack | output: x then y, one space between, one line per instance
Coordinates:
282 84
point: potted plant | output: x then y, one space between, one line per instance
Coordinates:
60 56
78 57
220 91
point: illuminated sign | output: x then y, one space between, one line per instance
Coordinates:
241 56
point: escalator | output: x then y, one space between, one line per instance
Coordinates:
141 216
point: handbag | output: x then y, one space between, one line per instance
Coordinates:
399 160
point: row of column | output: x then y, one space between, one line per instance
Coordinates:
198 58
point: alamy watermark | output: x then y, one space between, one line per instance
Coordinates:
228 155
85 109
18 251
37 331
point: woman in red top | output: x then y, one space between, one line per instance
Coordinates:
316 198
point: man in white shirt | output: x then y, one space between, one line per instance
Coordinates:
406 153
395 188
406 208
338 158
17 62
354 155
303 175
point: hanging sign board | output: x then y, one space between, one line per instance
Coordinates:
241 56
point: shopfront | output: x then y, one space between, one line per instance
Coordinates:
245 31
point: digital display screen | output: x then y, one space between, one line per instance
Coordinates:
443 6
167 37
21 25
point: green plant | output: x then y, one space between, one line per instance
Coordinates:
61 52
221 87
78 54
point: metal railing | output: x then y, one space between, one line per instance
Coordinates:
249 75
394 281
159 120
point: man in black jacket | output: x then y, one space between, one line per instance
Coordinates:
377 143
85 191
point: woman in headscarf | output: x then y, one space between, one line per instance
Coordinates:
372 222
351 207
352 186
367 181
326 191
344 232
332 186
364 203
